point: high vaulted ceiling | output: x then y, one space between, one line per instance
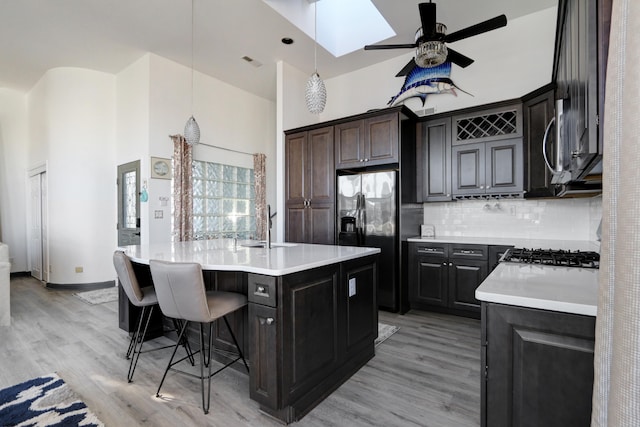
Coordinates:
108 35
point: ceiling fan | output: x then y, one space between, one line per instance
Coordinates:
431 37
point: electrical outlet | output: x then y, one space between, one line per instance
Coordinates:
352 287
79 269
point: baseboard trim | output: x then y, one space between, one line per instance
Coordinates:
81 286
19 274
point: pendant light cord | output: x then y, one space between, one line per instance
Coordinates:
192 21
315 36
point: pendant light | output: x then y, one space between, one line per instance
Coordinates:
315 94
191 129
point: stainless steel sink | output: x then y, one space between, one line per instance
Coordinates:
261 244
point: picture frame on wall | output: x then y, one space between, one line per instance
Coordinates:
160 168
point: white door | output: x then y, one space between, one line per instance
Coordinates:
38 259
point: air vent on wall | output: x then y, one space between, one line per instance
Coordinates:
425 112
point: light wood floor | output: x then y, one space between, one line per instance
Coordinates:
427 374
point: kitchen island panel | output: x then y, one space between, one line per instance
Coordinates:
305 332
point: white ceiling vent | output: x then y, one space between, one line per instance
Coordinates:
252 61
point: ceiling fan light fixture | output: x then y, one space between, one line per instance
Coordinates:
431 54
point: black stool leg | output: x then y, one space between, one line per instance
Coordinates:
139 338
235 342
205 402
135 335
175 348
177 323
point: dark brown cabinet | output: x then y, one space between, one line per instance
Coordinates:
446 276
310 186
579 73
309 329
538 367
537 111
434 160
487 168
367 142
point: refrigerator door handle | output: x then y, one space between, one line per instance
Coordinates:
363 215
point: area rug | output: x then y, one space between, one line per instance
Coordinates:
99 296
44 401
384 332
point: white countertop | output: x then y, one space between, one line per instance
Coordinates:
566 289
519 242
219 254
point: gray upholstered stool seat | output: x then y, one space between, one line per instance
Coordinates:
181 294
144 298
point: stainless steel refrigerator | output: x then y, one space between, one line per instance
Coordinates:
367 215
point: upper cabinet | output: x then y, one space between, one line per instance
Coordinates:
477 153
310 187
434 160
367 142
579 73
537 111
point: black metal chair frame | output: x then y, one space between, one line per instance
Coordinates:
137 339
205 361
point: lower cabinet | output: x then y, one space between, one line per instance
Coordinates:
445 276
538 367
308 332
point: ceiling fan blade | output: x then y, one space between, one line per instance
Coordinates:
474 30
458 58
389 46
407 68
428 19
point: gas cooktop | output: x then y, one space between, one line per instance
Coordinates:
584 259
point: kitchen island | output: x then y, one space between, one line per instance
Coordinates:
538 334
311 321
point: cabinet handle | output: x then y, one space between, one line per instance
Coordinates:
366 160
361 160
450 264
482 187
260 289
270 320
444 263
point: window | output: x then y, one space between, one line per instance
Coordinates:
223 201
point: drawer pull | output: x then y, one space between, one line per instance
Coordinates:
270 320
261 291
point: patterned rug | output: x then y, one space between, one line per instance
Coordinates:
99 296
384 332
44 401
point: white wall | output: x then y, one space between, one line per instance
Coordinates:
71 119
13 165
563 219
228 117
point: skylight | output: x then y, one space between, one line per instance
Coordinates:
343 26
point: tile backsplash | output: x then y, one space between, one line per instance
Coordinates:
566 219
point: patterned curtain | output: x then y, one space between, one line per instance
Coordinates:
616 392
259 171
182 189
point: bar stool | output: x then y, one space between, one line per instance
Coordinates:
146 299
181 294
